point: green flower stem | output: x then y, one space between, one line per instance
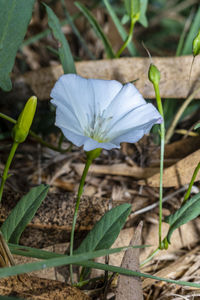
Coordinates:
129 37
11 120
191 183
35 136
5 172
91 155
162 148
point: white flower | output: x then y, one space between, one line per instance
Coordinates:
101 113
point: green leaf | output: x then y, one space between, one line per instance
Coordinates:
55 259
119 27
187 49
15 16
23 213
132 7
42 254
106 230
143 9
97 29
64 51
187 212
60 259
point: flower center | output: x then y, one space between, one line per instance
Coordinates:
98 128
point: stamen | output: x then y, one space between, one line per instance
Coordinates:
98 128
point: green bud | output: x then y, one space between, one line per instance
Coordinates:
154 74
22 127
196 45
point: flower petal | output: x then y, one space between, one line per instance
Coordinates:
133 135
142 117
66 119
127 99
75 93
76 139
91 144
104 92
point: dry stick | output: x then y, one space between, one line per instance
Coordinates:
152 206
178 115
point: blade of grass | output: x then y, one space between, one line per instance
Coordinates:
65 54
184 33
97 29
76 32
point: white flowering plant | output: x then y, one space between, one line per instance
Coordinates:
93 114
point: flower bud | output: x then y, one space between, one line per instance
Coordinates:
196 45
22 127
154 74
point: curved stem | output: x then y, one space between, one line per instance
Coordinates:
128 39
5 172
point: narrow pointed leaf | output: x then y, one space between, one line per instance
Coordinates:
23 213
187 212
96 27
43 254
65 54
15 16
187 49
143 9
80 260
55 259
106 230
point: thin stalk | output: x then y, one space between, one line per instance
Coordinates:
61 138
162 148
8 162
191 183
129 37
36 137
80 192
149 257
179 113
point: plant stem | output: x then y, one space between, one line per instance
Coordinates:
150 257
5 172
162 148
128 39
80 191
36 137
91 155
